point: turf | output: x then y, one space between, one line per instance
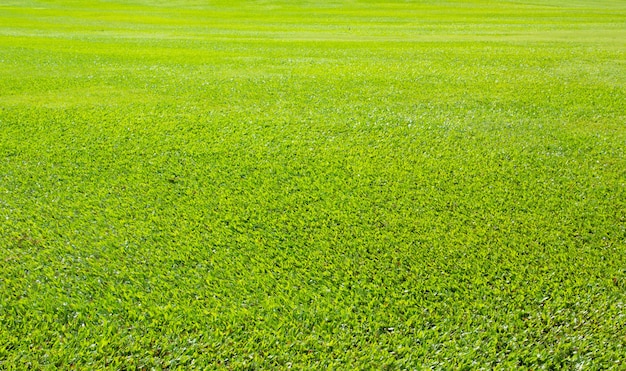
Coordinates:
307 184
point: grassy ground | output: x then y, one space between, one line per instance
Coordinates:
353 184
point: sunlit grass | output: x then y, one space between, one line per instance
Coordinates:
351 184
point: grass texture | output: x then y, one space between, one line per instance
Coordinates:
312 184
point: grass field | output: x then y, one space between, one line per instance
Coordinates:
307 184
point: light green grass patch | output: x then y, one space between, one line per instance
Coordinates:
348 184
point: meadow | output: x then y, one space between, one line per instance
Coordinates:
342 184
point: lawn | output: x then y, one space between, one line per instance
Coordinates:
348 184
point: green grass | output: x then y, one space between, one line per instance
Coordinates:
342 184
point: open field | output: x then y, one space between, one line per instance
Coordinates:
345 184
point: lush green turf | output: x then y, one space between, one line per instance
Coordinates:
354 184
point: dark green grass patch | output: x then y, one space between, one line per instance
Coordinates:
353 185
